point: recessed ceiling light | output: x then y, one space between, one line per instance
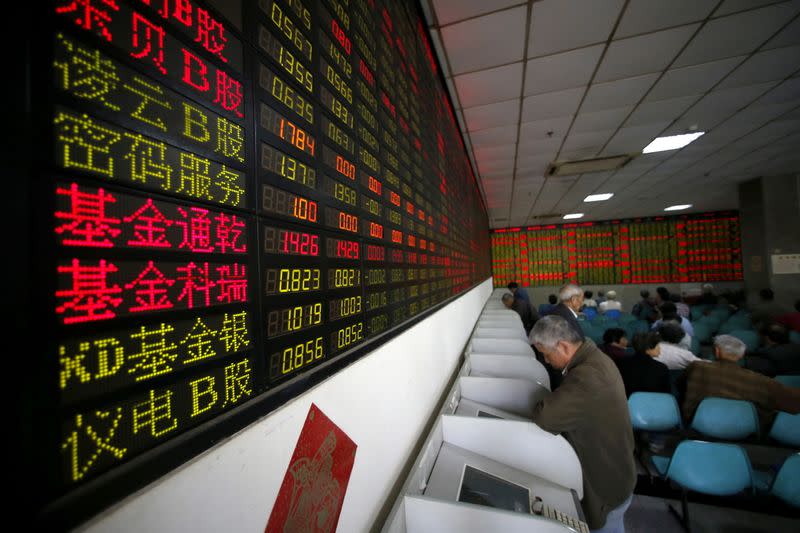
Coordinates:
598 197
673 142
678 207
573 215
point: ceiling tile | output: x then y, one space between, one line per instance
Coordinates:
494 136
551 105
775 64
551 193
561 71
553 128
495 153
643 54
717 106
736 34
618 93
661 110
697 79
489 86
732 6
643 16
787 91
492 115
449 11
505 166
530 146
531 165
788 36
591 139
559 25
487 41
583 187
608 119
579 154
633 139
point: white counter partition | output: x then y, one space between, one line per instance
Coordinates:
500 346
500 333
518 396
508 366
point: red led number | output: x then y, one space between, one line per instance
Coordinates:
294 242
347 249
341 37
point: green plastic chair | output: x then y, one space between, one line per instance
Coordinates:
748 337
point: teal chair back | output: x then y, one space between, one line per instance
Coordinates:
786 429
722 312
725 419
697 311
789 381
736 322
714 468
787 483
695 347
654 411
626 318
713 323
599 319
702 332
748 337
794 337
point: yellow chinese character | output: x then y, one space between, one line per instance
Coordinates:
230 139
150 93
237 382
87 74
149 413
195 180
148 159
86 432
226 180
198 342
234 332
84 144
156 355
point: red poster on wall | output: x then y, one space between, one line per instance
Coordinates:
313 489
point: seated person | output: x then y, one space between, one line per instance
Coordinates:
587 299
767 310
546 309
523 310
682 308
615 343
641 372
645 309
672 355
670 312
662 296
792 320
672 333
724 378
610 303
778 356
708 297
519 293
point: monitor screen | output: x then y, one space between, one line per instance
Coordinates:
482 488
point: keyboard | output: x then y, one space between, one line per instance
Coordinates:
540 508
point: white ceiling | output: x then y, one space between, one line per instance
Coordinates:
554 80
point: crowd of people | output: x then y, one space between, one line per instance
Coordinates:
591 382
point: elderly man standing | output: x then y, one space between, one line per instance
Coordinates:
724 378
525 312
590 409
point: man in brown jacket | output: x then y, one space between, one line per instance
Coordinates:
591 411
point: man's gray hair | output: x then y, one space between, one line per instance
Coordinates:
568 291
552 329
730 345
507 296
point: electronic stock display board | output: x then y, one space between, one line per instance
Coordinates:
686 248
241 198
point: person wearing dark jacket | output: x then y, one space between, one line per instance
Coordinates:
640 372
778 356
526 314
590 410
571 297
615 343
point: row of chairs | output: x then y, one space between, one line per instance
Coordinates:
718 418
718 468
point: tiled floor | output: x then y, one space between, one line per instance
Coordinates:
651 515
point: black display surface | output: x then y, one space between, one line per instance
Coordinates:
226 214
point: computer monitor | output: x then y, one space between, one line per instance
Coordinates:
483 488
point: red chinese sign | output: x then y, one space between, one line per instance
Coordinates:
313 489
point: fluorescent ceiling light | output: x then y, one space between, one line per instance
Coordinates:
678 207
598 197
673 142
573 215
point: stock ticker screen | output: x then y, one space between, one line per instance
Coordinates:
241 191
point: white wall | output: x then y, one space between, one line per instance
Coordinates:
383 402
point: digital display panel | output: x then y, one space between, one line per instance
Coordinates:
688 248
226 207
